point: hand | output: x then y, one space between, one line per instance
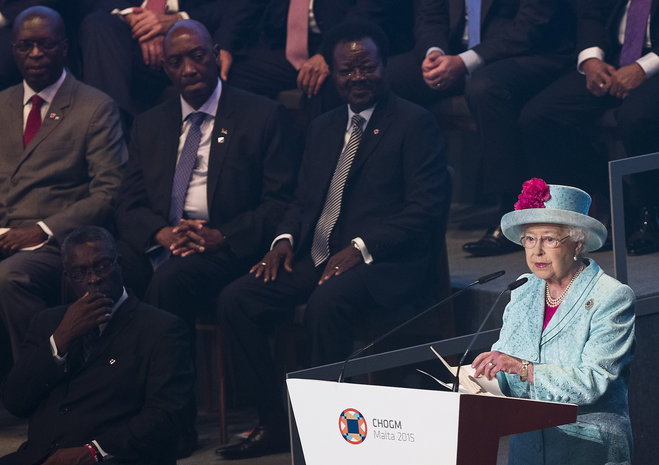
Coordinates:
71 456
166 237
626 79
88 311
269 266
490 363
224 62
341 262
442 71
146 24
18 238
598 76
152 53
193 236
312 74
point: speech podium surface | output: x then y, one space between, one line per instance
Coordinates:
356 423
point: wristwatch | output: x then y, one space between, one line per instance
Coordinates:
525 371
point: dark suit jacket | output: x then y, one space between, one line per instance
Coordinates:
11 8
396 192
127 396
599 21
508 27
251 174
70 172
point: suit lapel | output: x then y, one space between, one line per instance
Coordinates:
534 303
485 10
456 13
164 149
57 111
373 133
121 318
15 125
221 139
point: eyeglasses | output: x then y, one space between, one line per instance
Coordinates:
45 45
101 269
364 71
529 242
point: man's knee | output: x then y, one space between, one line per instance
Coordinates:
481 89
99 26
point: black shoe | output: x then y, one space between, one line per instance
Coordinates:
492 243
262 441
645 240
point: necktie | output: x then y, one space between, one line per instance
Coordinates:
297 33
156 5
637 20
89 341
474 22
33 122
320 246
184 167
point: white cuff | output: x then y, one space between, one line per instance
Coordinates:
650 64
472 60
184 14
55 352
368 258
587 54
100 449
280 237
124 12
432 49
45 229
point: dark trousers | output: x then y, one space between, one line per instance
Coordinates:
558 127
250 308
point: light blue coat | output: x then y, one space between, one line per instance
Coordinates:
582 357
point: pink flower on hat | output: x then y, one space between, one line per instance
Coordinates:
534 193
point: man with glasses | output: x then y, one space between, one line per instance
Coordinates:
105 378
61 151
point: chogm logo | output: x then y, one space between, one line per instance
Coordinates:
352 426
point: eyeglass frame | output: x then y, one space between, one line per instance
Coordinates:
101 269
45 45
543 240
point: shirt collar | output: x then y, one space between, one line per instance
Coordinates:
47 94
209 107
117 304
366 114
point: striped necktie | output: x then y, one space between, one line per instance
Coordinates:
320 247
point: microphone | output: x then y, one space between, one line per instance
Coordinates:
511 287
481 280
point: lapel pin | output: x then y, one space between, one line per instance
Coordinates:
53 116
224 131
376 131
220 140
589 304
112 361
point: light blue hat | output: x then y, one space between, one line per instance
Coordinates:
553 204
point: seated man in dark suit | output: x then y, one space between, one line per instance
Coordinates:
121 42
499 53
617 67
61 149
356 241
103 379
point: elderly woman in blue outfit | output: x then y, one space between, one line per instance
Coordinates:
568 333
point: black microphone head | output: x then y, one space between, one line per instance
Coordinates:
490 277
514 285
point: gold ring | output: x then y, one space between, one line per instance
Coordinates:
263 263
336 267
490 364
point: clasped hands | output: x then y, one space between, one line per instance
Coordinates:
282 255
149 28
442 71
19 238
602 78
190 237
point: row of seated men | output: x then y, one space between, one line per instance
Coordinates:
207 183
207 195
540 76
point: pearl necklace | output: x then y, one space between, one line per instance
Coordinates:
556 302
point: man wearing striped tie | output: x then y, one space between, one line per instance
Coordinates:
356 241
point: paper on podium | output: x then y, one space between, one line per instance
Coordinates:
468 383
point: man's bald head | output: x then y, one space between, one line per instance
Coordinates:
41 12
190 61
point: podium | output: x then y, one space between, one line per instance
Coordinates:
355 423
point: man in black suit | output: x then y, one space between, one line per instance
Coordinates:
511 51
265 58
557 123
356 240
242 176
102 379
121 42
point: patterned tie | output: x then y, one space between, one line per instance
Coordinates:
33 122
297 33
474 22
156 5
320 246
184 167
637 21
